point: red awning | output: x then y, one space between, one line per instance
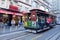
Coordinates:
19 14
8 12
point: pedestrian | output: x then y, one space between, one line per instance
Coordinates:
19 23
13 22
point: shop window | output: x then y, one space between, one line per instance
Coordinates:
35 4
16 1
26 8
42 8
11 3
27 1
20 8
3 0
9 0
46 10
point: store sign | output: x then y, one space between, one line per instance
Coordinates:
11 7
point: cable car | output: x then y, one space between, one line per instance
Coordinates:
36 20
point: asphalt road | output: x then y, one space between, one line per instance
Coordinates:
45 35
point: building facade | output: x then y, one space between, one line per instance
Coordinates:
56 9
18 6
4 4
26 5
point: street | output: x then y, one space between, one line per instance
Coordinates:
51 34
16 16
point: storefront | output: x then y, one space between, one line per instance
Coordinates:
6 17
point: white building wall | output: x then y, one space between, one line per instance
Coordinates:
55 5
26 1
22 0
4 4
58 5
46 6
56 9
22 6
33 3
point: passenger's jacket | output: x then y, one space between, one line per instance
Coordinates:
41 20
13 22
48 20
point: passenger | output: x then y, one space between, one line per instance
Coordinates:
48 21
19 23
41 21
13 22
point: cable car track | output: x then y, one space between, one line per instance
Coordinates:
22 35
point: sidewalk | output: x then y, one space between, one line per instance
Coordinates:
7 32
8 29
11 35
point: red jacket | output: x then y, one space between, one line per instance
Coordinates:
49 20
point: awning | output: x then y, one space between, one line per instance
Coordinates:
10 12
19 14
6 12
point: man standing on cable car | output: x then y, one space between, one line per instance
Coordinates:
41 22
48 21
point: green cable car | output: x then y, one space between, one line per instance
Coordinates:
36 20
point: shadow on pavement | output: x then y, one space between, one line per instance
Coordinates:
45 30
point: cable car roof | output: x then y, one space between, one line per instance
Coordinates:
38 10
